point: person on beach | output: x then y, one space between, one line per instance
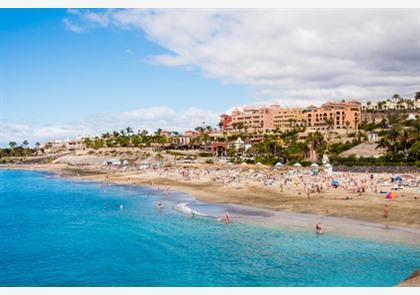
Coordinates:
318 228
386 211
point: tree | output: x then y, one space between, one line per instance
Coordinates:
37 145
158 132
347 127
317 142
88 142
129 130
396 97
12 144
25 143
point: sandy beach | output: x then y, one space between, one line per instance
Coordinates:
269 189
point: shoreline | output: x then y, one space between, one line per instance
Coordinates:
253 215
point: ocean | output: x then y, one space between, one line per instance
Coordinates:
61 232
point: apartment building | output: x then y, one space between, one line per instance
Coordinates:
331 115
262 119
394 104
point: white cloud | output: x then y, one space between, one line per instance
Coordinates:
292 56
139 119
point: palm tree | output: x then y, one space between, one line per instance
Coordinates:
220 124
317 142
347 127
329 122
158 132
129 130
37 144
12 144
396 97
383 143
25 143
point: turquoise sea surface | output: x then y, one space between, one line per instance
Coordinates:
59 232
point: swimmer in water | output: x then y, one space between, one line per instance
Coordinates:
218 219
193 214
121 206
227 218
318 228
159 205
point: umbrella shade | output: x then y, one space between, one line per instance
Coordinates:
297 165
391 195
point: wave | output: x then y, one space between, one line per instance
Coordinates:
183 208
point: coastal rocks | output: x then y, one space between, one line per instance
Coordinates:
412 281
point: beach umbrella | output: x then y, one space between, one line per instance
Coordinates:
258 164
297 165
398 178
335 183
391 195
314 165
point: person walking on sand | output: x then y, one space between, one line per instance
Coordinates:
386 211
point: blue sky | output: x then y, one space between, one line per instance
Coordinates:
50 75
68 73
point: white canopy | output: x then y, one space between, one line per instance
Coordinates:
297 165
314 165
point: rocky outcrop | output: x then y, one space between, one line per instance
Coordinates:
412 281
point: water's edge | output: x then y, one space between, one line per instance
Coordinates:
188 204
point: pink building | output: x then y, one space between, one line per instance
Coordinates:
331 115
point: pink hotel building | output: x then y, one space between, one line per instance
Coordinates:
333 115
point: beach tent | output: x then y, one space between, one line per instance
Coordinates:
398 178
391 195
328 169
297 165
278 165
258 164
314 169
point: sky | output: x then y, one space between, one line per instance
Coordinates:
66 73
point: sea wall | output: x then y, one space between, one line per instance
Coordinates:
378 169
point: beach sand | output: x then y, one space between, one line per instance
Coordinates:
360 213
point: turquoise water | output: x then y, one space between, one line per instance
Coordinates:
57 232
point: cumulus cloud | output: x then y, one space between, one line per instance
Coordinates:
291 56
138 119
